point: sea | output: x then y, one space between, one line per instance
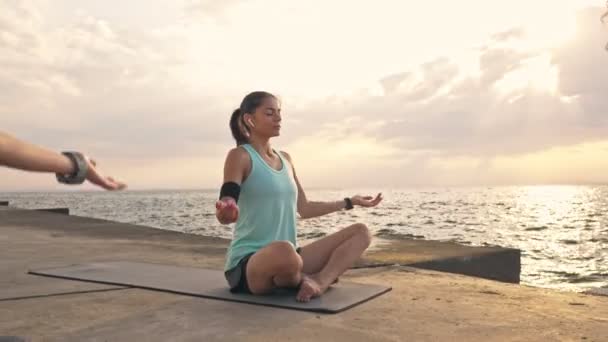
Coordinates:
562 231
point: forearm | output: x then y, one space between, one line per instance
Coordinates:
312 209
25 156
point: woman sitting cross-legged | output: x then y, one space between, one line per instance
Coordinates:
262 194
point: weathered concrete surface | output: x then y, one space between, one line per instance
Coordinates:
424 305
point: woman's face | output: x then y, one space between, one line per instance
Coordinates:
266 121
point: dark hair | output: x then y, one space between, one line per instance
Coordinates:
249 104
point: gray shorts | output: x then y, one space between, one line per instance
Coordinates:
237 276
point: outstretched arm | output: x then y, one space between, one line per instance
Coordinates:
310 209
22 155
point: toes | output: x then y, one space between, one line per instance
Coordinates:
300 298
304 295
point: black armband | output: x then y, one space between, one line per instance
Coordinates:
230 189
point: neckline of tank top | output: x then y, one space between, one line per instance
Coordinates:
266 164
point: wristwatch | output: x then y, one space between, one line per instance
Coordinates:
81 168
349 203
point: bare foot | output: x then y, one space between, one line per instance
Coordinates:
310 287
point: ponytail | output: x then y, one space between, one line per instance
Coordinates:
236 126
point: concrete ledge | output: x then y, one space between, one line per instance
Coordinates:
495 263
502 265
64 211
600 291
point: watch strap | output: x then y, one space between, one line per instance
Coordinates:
349 203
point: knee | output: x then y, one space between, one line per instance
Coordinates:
363 233
281 247
287 260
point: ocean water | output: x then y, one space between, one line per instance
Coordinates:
562 231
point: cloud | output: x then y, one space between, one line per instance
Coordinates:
435 74
512 34
583 73
443 110
496 62
210 9
94 86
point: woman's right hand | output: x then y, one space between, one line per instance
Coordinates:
226 210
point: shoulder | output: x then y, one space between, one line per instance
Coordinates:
238 165
237 152
237 155
287 156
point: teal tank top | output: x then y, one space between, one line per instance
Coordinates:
267 208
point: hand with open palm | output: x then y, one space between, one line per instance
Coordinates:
367 201
95 177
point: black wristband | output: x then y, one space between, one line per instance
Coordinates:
349 203
230 189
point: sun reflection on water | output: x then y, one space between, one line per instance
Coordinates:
563 236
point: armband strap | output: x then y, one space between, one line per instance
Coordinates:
230 189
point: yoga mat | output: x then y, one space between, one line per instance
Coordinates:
207 283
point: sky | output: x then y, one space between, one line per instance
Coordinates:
383 93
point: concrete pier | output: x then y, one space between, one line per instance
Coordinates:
424 304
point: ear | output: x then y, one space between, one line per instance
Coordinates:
247 118
243 128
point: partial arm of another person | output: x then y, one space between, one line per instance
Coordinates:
310 209
22 155
18 154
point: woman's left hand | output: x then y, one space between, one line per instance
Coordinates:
366 201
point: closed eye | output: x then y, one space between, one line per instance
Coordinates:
271 112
